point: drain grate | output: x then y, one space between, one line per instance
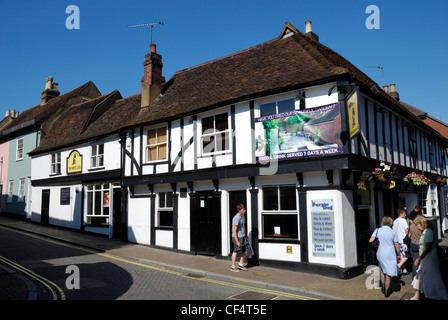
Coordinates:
253 295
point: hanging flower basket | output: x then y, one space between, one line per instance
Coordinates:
385 172
416 179
441 181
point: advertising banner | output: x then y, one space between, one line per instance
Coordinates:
322 223
299 133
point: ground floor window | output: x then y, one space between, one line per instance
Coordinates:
279 215
165 212
98 204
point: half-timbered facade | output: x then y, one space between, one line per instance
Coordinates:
288 128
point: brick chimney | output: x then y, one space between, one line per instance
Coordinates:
393 93
152 80
51 90
309 32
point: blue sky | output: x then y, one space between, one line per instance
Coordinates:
411 43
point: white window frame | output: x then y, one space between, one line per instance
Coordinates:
215 132
97 158
92 205
21 195
56 163
19 149
10 191
157 144
165 208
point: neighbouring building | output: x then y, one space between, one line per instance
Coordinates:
23 133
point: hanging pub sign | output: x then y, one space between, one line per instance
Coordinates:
74 162
299 133
353 113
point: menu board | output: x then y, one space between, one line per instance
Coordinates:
323 234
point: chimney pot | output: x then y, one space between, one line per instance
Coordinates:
393 93
308 27
386 88
51 90
153 48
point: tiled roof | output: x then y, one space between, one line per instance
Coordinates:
37 115
90 120
274 66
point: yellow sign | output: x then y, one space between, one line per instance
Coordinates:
353 113
74 162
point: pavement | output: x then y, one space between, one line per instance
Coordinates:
358 288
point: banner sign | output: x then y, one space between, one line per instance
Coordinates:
353 113
322 223
299 133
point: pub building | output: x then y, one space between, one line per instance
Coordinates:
289 128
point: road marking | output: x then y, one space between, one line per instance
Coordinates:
47 283
162 269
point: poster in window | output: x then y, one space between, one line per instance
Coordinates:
299 133
106 199
322 223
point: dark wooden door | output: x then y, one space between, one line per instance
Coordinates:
206 223
45 206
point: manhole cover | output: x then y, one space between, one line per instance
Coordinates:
253 295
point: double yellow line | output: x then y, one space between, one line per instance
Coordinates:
54 289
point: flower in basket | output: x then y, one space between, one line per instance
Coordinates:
362 185
416 179
441 181
385 172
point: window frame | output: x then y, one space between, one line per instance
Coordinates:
157 144
10 191
164 208
19 150
55 167
276 102
21 191
96 156
227 140
95 193
283 214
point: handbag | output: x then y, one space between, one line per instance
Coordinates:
407 240
376 243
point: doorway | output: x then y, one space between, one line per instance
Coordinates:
45 207
116 212
235 197
206 223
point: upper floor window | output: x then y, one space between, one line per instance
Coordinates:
97 157
19 149
215 133
156 145
56 163
277 107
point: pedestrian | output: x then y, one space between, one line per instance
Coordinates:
401 228
417 210
428 279
387 254
239 239
415 235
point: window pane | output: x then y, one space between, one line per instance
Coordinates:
287 198
287 222
162 199
169 199
221 122
152 153
98 201
222 141
100 161
208 144
268 108
161 135
285 105
165 218
93 150
207 124
270 198
101 149
151 137
162 152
